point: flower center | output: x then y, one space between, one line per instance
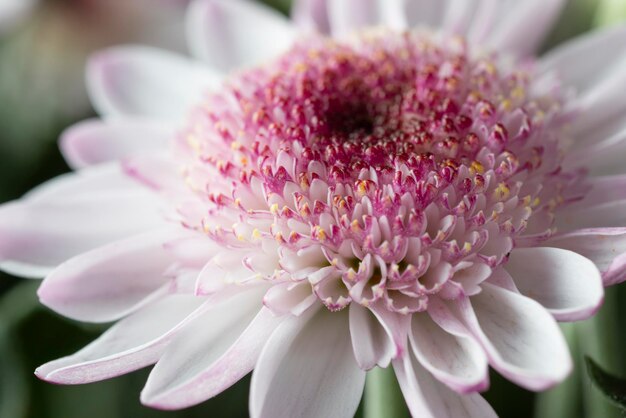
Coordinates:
384 169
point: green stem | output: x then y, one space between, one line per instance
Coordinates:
561 401
17 304
599 339
610 12
383 398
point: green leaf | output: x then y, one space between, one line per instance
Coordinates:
611 386
383 397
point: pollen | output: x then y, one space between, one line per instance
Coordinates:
501 192
404 151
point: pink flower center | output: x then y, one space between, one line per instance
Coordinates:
384 169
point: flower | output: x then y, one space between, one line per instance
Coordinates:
427 200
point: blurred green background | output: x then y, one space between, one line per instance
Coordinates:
41 92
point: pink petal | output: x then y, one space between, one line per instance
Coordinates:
230 34
521 339
307 369
453 357
112 281
606 247
564 282
96 141
371 343
132 343
143 81
211 354
428 398
74 213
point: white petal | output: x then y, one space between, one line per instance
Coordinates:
147 82
522 340
160 172
349 15
311 15
96 141
454 358
459 15
289 297
605 215
397 326
577 62
604 189
602 103
564 282
132 343
307 370
425 12
428 398
211 354
594 65
606 247
109 282
510 32
78 186
70 215
371 343
230 34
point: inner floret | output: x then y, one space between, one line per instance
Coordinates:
384 169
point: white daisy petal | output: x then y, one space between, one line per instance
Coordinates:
230 34
371 343
452 356
428 398
74 214
510 30
425 12
522 340
564 282
311 15
146 82
317 346
95 141
576 62
349 15
210 354
606 247
109 282
132 343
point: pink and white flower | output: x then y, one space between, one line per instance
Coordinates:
414 191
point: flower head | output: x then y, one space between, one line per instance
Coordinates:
386 197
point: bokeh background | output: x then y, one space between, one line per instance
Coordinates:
42 58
